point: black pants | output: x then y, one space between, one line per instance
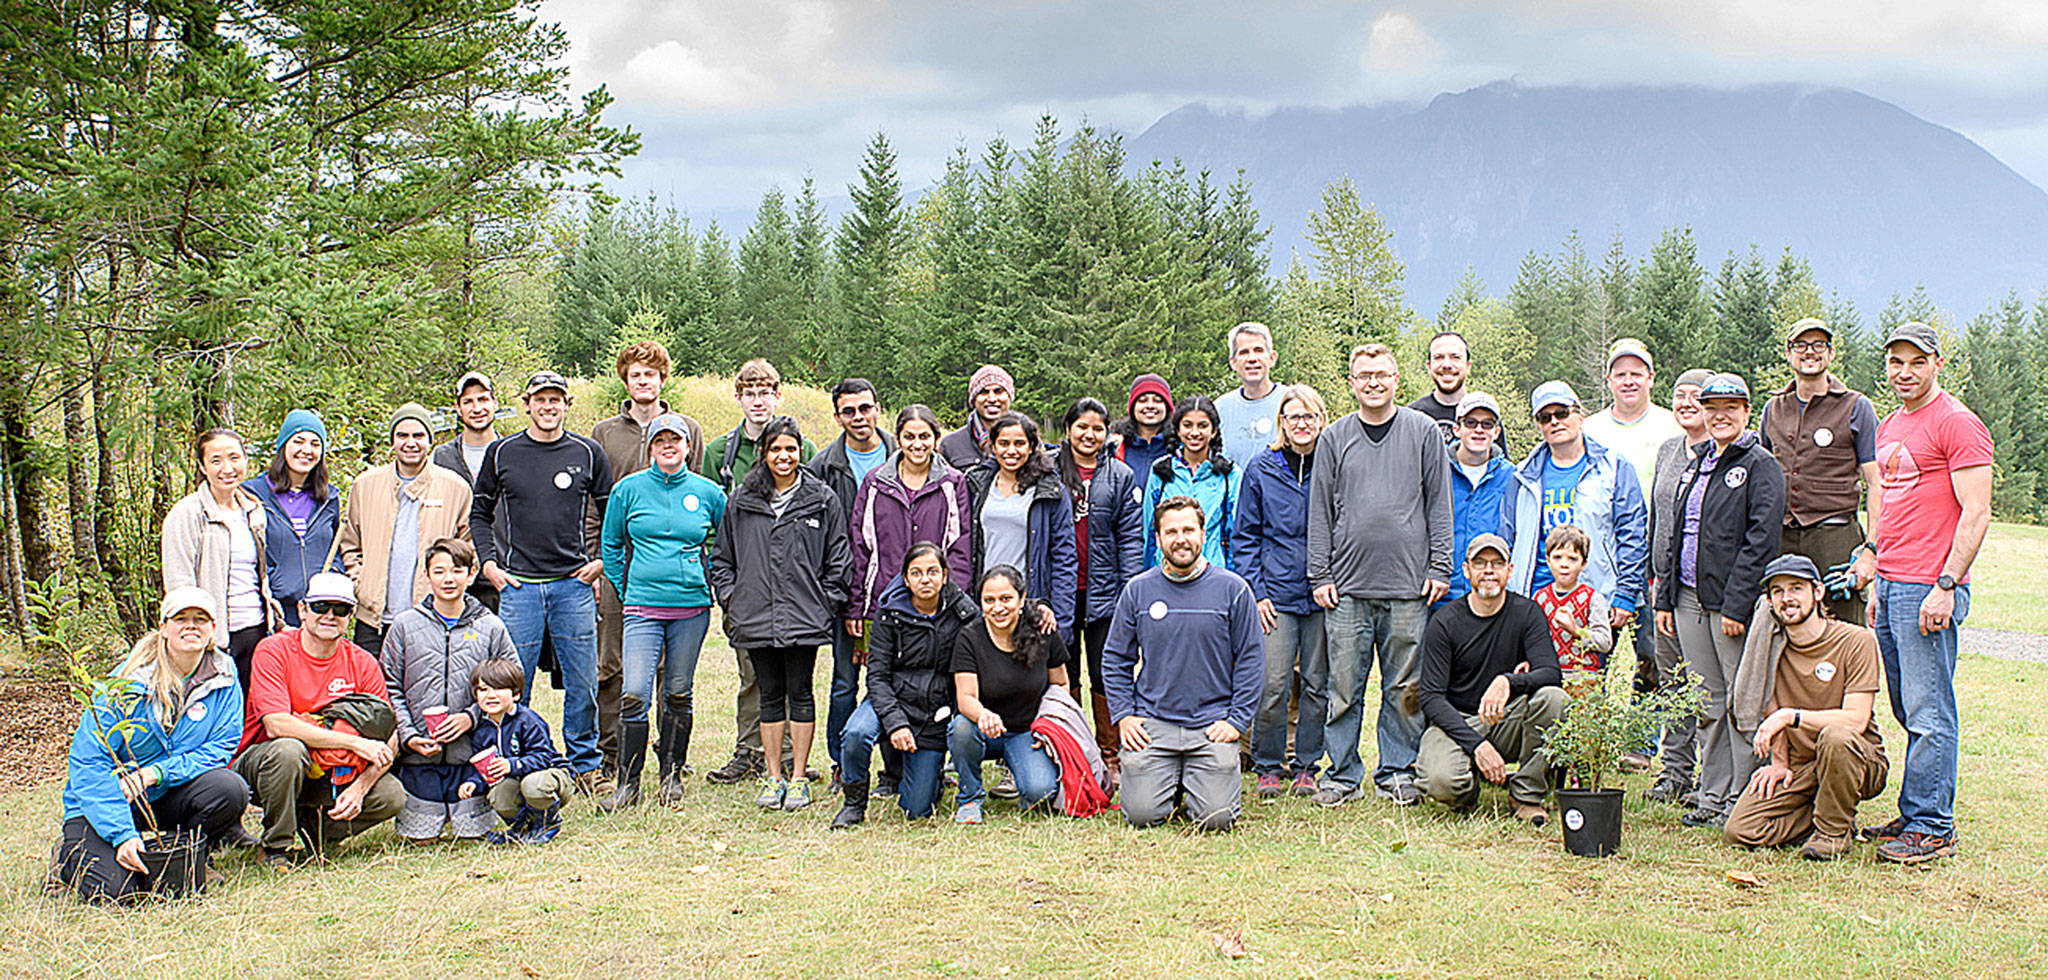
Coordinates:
784 674
1091 636
370 638
242 647
211 803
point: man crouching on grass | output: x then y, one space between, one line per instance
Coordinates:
1818 679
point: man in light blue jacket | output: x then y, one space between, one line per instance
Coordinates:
1571 479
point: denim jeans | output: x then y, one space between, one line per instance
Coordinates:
1296 643
1920 673
565 609
666 646
845 691
1358 629
1038 777
917 790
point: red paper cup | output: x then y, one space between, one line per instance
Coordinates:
435 716
482 761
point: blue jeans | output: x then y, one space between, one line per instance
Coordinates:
1038 777
845 690
666 646
1359 629
917 791
1920 673
1297 642
566 610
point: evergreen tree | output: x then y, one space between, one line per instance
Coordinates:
870 250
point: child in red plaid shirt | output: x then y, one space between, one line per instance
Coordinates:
1578 616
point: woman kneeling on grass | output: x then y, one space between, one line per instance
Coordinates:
910 685
1001 669
156 737
779 570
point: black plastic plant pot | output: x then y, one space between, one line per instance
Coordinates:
1591 821
176 863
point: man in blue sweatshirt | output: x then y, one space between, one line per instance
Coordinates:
1195 627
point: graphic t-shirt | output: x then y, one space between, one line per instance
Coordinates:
1815 678
283 678
1008 688
298 508
1560 489
1087 475
1916 454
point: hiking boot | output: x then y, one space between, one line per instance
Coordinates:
238 838
1887 832
969 813
797 796
1532 814
1269 787
1705 818
856 809
1634 762
515 830
1821 847
278 860
1304 784
1914 847
1400 790
772 792
545 825
740 768
1336 795
1669 791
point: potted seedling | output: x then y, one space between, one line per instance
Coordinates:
176 860
1601 724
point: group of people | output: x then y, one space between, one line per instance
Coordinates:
1224 573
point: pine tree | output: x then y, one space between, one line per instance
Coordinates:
870 254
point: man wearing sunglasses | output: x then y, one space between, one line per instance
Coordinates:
1480 480
1571 479
1825 436
294 675
861 448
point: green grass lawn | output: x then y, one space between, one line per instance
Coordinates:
2007 582
718 888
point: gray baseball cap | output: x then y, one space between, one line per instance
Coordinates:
668 422
1797 566
1485 541
1474 401
1916 333
543 380
1552 393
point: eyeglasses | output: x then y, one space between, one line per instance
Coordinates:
1373 377
1549 416
1479 425
757 394
1487 564
1808 346
1300 419
330 608
868 408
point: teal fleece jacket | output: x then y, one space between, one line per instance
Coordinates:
657 538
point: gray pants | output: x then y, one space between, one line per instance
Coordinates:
1448 775
1724 761
276 773
539 790
1676 747
1182 762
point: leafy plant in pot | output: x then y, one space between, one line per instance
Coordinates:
113 706
1605 720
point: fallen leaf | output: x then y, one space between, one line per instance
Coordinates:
1745 879
698 869
1397 847
529 971
719 847
750 954
1231 945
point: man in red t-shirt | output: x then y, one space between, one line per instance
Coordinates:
1928 516
293 675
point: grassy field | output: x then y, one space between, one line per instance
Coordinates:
717 888
2004 590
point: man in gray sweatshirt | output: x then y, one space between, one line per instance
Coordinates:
1379 552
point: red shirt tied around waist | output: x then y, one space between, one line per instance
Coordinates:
1917 453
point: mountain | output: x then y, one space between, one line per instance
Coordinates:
1876 198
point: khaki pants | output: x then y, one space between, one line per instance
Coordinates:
611 631
1821 798
1829 545
276 774
539 790
1447 774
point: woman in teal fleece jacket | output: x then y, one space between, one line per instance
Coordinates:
657 535
158 734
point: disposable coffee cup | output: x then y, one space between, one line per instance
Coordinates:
435 716
482 761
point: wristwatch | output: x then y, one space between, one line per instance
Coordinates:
1946 583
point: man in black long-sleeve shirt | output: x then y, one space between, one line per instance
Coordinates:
1489 686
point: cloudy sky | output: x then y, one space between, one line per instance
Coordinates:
731 96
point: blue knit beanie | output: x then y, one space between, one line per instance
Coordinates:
301 420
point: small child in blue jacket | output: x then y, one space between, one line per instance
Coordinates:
513 753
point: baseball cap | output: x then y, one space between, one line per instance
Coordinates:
668 422
1552 393
543 380
1725 385
1809 323
472 378
1476 400
1916 333
1485 541
1797 566
1697 378
330 587
182 598
1629 347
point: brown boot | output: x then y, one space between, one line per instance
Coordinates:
1105 733
1823 847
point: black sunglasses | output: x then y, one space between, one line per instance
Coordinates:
331 608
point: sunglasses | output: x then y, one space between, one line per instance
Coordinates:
1482 425
850 411
324 608
1548 416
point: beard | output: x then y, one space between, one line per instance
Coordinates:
1804 614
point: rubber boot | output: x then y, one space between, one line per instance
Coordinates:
514 832
856 809
632 759
1105 733
547 823
676 720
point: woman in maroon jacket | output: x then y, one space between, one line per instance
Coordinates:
915 496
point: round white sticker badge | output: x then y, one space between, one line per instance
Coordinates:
1736 478
1825 670
197 712
1573 819
562 481
1158 609
1265 426
1823 436
690 502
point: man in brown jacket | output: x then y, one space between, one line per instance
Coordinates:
1825 438
644 367
394 511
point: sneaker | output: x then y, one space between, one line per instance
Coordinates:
1914 847
1704 818
1270 787
740 768
1669 791
1634 762
969 813
1400 790
772 792
797 796
1887 832
1336 795
1823 848
1304 784
1006 787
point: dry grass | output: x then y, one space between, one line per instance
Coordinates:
2004 590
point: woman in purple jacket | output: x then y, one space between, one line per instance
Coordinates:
915 496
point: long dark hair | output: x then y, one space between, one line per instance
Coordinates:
206 438
1026 642
918 413
1219 464
280 475
758 480
1036 466
1070 473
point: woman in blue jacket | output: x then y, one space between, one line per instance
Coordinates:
1109 540
158 734
303 508
1024 518
657 529
1195 466
1270 544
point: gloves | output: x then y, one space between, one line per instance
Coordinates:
1840 582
